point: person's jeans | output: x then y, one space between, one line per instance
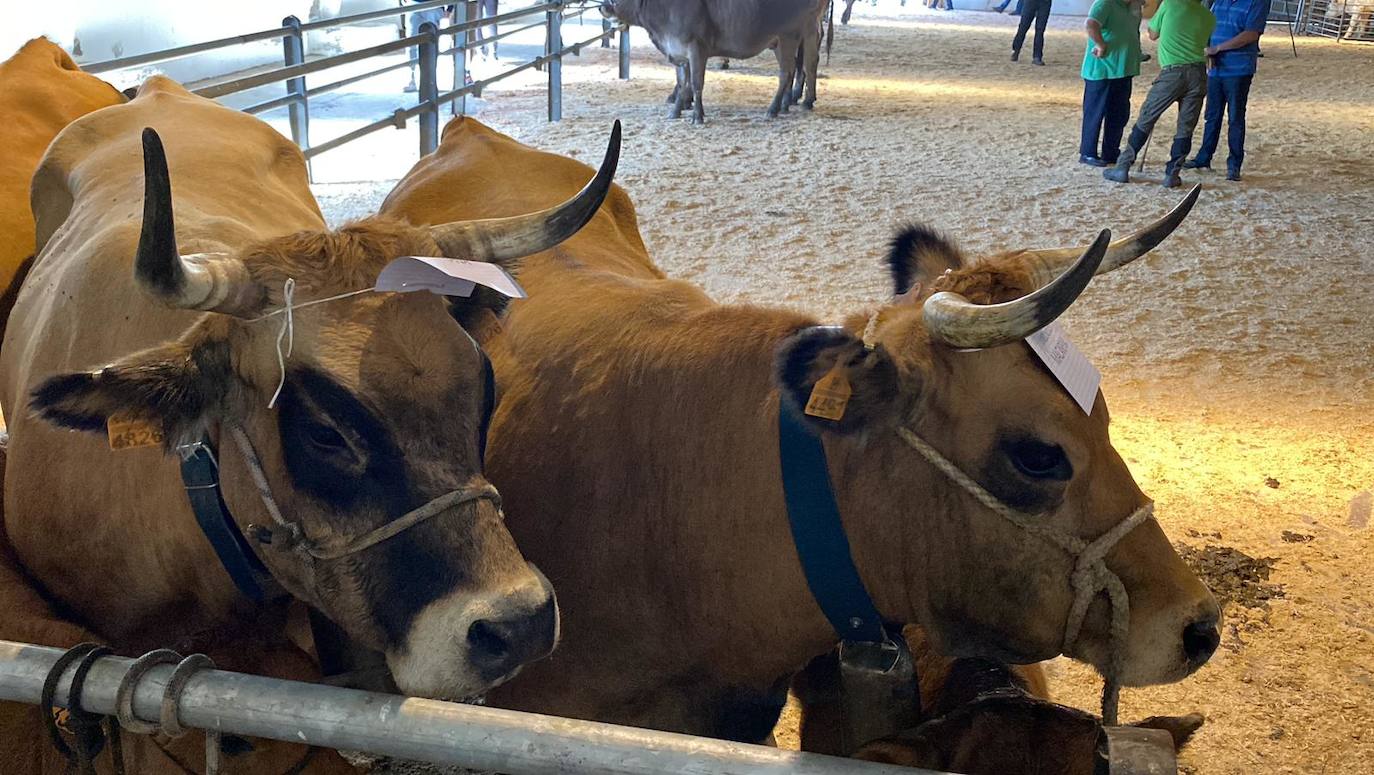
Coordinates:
1184 84
1229 94
1006 3
435 16
1037 11
1106 109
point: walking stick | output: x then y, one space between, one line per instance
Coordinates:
1144 150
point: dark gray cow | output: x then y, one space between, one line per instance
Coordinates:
689 32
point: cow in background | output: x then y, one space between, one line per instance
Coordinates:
41 91
689 32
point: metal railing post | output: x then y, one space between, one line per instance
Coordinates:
624 53
555 47
293 53
429 88
460 56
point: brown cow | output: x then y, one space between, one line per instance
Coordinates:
661 518
360 490
979 717
41 91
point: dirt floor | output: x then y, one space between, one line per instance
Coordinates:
1236 358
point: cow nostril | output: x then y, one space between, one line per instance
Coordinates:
487 644
1200 640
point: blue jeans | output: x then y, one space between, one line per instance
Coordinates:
1006 3
1228 94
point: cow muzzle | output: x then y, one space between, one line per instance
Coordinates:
462 645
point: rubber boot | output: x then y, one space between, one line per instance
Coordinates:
1121 173
1178 153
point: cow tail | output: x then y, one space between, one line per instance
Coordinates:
829 32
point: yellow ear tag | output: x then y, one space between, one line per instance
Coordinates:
831 395
130 433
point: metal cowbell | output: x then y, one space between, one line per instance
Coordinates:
879 695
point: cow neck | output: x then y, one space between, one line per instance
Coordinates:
819 536
200 477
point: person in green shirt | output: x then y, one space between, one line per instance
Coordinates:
1182 28
1111 61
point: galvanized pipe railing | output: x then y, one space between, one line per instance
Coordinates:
443 733
295 67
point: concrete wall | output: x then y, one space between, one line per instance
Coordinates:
95 30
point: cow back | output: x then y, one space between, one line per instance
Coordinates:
478 172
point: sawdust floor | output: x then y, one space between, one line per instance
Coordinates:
1236 358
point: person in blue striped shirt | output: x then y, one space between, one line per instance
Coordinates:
1234 54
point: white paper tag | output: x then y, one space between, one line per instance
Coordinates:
1068 365
446 276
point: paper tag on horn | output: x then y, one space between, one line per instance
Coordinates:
1068 365
446 277
831 395
131 433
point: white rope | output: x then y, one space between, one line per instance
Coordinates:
1090 574
287 332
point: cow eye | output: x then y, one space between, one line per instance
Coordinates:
324 438
1039 460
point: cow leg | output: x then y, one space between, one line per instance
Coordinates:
786 52
799 77
680 92
811 56
696 59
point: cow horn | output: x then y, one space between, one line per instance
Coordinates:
957 322
1046 264
498 239
204 281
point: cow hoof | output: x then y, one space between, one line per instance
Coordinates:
673 114
772 113
809 105
698 121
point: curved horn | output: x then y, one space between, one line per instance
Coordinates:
957 322
1047 264
498 239
204 282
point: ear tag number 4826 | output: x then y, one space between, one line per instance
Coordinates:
831 395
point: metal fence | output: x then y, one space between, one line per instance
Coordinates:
487 739
549 15
1340 19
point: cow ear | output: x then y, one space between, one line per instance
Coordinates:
834 353
175 387
485 305
919 254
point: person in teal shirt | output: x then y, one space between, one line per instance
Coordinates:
1182 28
1111 61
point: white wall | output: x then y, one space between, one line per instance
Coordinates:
95 30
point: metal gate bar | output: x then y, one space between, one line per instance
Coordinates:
428 730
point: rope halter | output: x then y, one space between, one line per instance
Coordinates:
296 539
1090 572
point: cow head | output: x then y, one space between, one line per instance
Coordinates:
623 11
382 414
945 364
